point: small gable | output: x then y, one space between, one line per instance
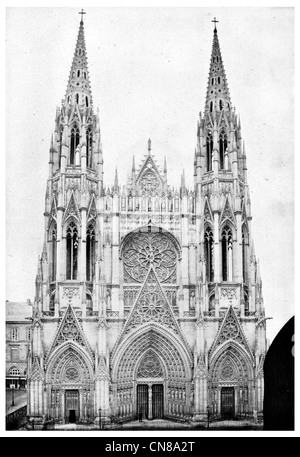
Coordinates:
230 330
70 330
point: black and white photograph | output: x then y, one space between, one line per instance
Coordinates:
149 220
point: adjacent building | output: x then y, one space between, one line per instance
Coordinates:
18 337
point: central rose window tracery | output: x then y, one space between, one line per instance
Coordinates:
150 249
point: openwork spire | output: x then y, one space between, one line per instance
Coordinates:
217 96
79 89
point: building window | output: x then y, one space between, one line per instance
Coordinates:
222 149
89 143
60 146
227 254
14 371
244 253
29 334
211 107
72 251
53 253
221 105
90 253
209 150
15 354
209 249
75 139
14 335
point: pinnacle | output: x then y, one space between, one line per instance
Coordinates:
78 89
217 96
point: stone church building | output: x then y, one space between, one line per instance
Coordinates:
148 298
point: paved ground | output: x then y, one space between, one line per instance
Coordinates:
166 425
20 399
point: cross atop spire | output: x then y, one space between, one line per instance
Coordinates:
215 22
82 13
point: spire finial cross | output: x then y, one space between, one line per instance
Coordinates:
215 22
82 13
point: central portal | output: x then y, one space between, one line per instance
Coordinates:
227 403
72 406
150 399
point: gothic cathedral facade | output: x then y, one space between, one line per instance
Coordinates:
148 298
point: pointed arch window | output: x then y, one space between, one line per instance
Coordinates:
86 100
60 146
72 251
221 104
244 252
222 149
84 73
75 139
227 258
211 106
209 254
77 97
209 150
53 253
90 252
89 143
78 73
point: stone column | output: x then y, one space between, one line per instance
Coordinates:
150 402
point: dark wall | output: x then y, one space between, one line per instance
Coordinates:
279 381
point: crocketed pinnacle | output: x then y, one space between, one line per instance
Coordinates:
217 96
79 89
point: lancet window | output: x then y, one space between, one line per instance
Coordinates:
209 150
89 145
227 254
209 250
53 253
75 139
90 253
72 251
244 253
222 149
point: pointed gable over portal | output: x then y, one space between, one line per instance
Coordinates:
69 329
151 306
230 330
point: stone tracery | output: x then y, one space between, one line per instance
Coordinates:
149 249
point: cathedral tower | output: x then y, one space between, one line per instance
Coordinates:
148 297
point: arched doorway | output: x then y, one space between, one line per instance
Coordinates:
151 374
150 378
231 383
70 388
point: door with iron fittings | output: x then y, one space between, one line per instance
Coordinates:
157 401
142 400
227 402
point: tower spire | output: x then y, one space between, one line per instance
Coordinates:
217 96
79 89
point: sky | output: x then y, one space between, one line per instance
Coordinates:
148 71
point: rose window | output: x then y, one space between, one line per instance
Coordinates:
150 249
